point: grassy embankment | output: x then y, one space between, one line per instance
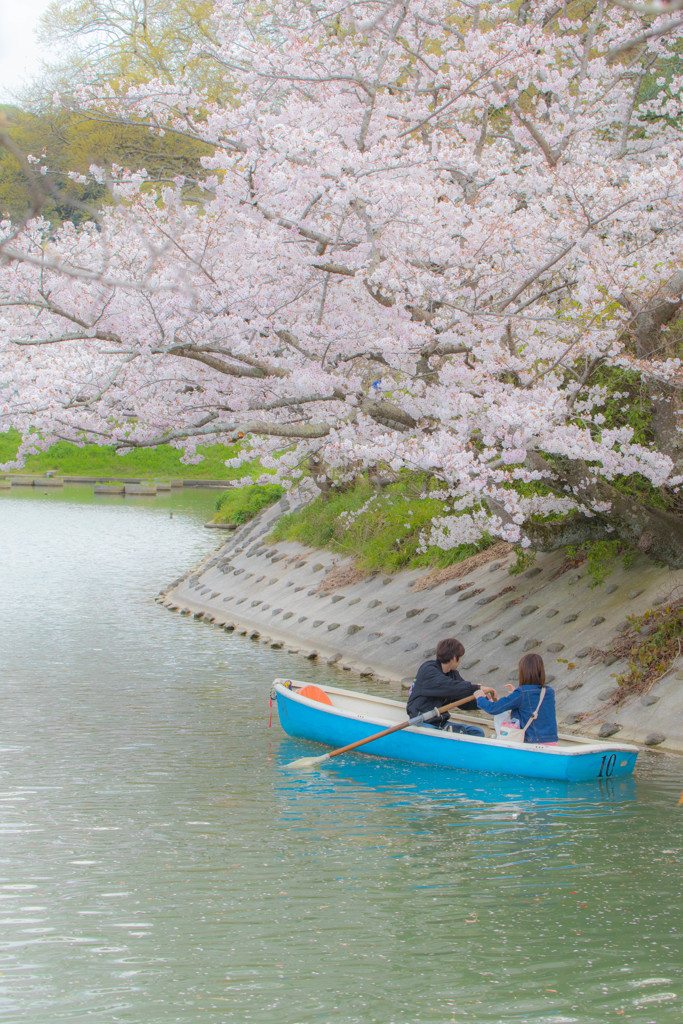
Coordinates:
161 463
382 531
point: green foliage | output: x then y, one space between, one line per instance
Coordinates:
600 557
525 558
101 461
68 142
641 489
627 558
242 504
659 86
652 643
627 403
381 530
527 488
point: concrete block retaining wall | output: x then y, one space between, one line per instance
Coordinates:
383 627
111 485
36 481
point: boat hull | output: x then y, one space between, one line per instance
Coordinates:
338 726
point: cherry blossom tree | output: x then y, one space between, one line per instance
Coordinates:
96 41
433 234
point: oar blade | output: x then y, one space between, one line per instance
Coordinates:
307 762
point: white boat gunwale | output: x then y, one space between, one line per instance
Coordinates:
569 744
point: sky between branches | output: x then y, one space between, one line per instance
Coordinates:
20 54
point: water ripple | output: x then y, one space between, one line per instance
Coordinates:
160 862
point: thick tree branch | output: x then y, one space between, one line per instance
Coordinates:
254 368
644 37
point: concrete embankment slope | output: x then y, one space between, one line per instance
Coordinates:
382 626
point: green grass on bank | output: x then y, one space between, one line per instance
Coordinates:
242 504
234 506
380 530
94 460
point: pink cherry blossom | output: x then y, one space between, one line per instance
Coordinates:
422 231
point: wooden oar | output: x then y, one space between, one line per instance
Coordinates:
308 762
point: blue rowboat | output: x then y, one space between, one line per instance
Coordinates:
351 716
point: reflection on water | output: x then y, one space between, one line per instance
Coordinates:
410 782
159 862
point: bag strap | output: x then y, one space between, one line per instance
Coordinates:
535 714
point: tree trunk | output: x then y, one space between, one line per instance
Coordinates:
649 318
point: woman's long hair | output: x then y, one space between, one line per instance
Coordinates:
531 670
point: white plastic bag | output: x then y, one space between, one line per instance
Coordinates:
507 731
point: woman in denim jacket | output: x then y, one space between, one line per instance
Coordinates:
524 702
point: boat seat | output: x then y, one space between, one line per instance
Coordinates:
315 693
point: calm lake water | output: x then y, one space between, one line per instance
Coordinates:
159 863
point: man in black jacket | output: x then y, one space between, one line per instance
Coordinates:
438 682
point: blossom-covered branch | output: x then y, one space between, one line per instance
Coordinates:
438 235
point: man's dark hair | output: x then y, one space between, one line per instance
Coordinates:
448 649
531 670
